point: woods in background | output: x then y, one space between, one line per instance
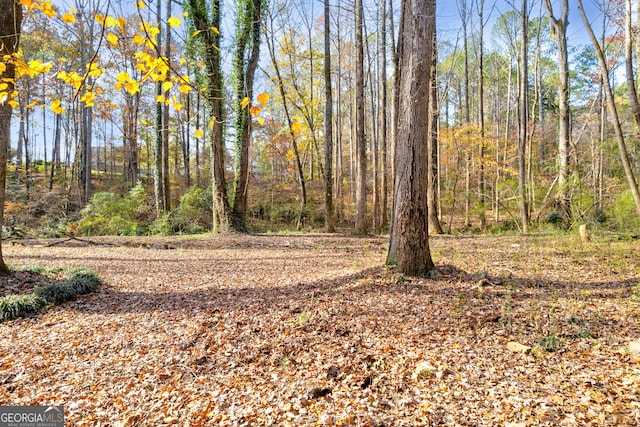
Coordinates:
529 128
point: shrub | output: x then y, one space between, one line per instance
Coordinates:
74 283
624 216
111 214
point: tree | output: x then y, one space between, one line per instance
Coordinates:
409 238
361 147
10 24
523 98
249 29
206 20
329 221
559 26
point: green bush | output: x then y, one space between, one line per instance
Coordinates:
75 282
111 214
624 216
194 211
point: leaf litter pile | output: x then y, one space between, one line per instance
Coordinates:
311 330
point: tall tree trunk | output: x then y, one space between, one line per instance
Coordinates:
615 119
384 119
409 240
158 170
564 121
522 121
329 221
166 176
249 31
481 153
434 114
10 26
360 143
208 27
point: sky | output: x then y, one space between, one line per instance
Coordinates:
448 16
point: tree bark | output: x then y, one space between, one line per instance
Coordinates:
522 121
409 240
564 124
329 221
361 147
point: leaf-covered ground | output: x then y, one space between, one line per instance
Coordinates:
311 330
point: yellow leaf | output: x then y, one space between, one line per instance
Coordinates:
139 39
13 103
56 107
132 87
68 18
260 120
123 77
255 110
110 22
160 99
88 98
99 18
166 86
212 123
112 39
215 30
185 89
28 3
140 4
121 22
3 67
296 127
177 106
263 98
4 86
47 9
173 22
245 102
198 133
143 122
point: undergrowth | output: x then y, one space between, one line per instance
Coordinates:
74 282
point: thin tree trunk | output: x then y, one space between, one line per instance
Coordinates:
360 143
522 122
329 221
615 120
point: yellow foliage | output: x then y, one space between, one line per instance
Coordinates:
56 107
173 22
185 89
255 110
47 9
296 126
69 18
88 98
263 98
198 133
245 102
166 86
112 39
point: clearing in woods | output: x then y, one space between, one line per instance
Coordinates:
306 330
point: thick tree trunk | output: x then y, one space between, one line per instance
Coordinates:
249 31
409 240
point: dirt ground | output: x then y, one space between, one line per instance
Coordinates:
304 330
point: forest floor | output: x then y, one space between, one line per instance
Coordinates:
303 330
